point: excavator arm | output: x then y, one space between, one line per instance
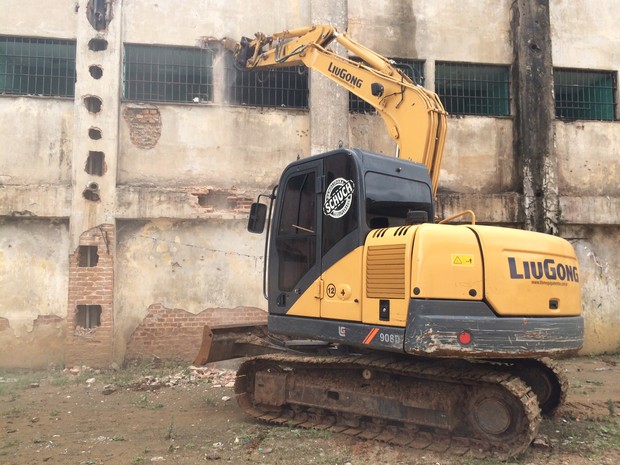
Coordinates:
414 116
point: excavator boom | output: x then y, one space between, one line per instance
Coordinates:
414 116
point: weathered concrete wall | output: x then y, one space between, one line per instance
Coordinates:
33 286
588 159
585 34
598 254
156 22
469 31
44 145
189 265
214 146
25 18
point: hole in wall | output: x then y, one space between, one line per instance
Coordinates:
95 163
94 133
87 256
92 192
97 45
93 104
95 71
88 316
99 13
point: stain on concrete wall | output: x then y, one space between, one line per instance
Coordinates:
144 126
174 333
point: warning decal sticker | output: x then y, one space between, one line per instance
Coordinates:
462 260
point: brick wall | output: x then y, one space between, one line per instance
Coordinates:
4 324
175 334
144 126
92 285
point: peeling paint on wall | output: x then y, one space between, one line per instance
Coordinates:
144 126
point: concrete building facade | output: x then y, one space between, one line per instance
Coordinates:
123 210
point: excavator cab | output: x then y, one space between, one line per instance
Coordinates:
324 208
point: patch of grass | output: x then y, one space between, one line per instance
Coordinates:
170 434
611 406
210 401
118 438
147 403
15 412
137 459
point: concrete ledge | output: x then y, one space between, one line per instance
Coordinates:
489 208
48 201
603 210
182 203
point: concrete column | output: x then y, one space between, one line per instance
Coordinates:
534 114
329 102
98 69
90 310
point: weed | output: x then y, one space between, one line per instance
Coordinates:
210 401
15 412
146 403
118 437
170 434
137 459
611 406
54 413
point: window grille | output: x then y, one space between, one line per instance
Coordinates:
412 68
473 89
280 87
168 74
585 94
30 66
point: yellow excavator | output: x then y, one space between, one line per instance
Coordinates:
382 322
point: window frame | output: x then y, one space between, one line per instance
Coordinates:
464 101
173 92
601 111
54 60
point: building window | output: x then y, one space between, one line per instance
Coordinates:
473 89
280 87
584 94
30 66
412 68
88 316
168 74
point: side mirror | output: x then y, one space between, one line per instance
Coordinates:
258 215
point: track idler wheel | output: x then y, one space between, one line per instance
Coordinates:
496 416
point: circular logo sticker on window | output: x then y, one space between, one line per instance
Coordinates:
338 198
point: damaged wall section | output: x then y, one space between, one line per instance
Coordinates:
90 311
175 334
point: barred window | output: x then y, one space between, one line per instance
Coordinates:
168 74
280 87
473 89
412 68
30 66
585 94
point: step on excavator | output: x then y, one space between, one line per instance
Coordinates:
383 322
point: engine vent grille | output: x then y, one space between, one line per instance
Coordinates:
385 271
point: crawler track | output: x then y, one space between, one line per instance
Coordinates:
442 406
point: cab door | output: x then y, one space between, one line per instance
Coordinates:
341 247
294 252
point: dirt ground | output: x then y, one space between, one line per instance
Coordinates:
181 416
